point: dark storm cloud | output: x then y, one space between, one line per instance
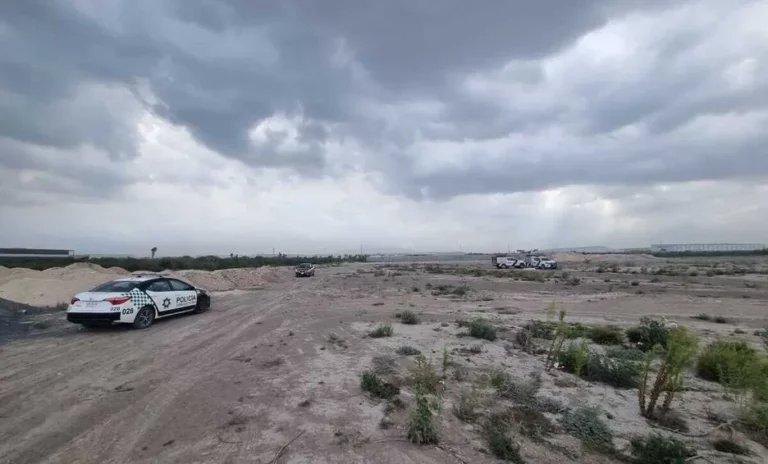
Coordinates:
75 73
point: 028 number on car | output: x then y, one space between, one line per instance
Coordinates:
127 310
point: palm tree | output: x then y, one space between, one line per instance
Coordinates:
154 250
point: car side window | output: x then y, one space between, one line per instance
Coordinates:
180 286
159 286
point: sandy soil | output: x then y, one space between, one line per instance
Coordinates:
236 383
57 285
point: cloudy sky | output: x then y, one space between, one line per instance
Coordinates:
217 126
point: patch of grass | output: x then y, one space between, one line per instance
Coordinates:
627 354
521 392
415 289
383 365
658 449
496 432
421 428
409 317
648 334
474 349
550 405
498 378
460 290
531 422
465 408
407 350
725 361
725 445
585 424
383 330
635 283
606 335
702 317
481 328
372 383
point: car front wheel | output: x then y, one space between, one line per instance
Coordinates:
144 318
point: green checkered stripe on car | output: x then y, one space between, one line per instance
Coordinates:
140 299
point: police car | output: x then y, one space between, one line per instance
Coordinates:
137 300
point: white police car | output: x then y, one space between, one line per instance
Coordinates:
137 300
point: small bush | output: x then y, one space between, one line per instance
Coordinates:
627 354
619 373
407 350
409 317
415 290
521 392
721 320
383 365
648 334
422 429
425 376
541 329
496 432
726 361
460 290
635 283
606 335
531 422
524 341
725 445
372 383
481 328
498 378
465 409
657 449
383 330
702 317
585 424
550 405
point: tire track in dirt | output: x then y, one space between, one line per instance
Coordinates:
113 425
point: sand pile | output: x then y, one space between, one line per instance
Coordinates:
56 285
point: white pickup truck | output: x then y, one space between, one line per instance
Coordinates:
506 262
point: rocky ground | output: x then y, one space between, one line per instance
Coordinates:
274 375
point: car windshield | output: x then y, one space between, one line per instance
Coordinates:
304 266
116 286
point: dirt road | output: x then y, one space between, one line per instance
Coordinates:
224 386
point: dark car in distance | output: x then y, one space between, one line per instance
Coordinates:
305 270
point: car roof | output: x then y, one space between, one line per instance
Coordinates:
139 278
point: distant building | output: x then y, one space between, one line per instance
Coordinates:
35 253
707 247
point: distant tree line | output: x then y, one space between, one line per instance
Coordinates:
204 263
686 254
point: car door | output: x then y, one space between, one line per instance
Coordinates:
162 294
185 296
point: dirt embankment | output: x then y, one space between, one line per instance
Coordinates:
56 285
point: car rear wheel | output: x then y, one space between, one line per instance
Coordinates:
144 318
503 266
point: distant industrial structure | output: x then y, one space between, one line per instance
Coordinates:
707 247
35 253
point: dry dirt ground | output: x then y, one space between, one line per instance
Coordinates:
236 384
